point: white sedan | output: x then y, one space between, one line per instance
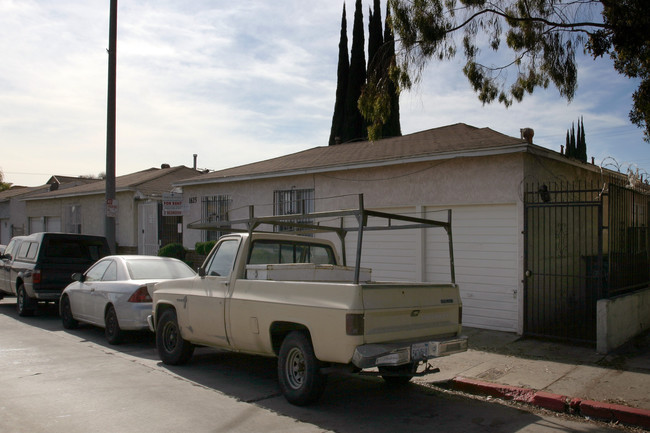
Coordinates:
113 293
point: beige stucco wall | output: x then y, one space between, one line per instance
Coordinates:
485 180
92 214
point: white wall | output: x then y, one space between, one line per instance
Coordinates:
621 318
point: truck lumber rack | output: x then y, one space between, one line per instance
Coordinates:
313 222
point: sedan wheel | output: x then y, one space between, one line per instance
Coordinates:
112 329
67 319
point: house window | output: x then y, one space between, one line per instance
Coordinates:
73 219
293 202
214 208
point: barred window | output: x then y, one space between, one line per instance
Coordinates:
293 202
214 208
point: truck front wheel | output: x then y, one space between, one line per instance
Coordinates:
299 373
172 348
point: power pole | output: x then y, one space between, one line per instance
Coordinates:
111 204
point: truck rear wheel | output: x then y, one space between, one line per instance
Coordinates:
24 304
299 373
172 348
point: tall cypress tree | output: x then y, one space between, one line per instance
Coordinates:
392 127
581 145
571 150
342 76
375 38
354 125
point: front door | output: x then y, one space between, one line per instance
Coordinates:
148 228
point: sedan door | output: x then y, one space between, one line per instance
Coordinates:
83 299
101 292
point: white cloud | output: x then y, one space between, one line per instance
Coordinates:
235 82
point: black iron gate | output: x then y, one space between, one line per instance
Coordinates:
563 260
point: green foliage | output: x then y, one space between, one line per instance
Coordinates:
542 37
204 248
3 185
174 250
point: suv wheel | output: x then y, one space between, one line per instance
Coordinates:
24 304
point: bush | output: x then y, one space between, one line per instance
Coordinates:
176 251
204 248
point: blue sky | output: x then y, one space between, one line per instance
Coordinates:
236 82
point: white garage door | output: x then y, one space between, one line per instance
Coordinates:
485 255
486 258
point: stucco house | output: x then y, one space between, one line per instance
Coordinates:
13 219
141 227
482 175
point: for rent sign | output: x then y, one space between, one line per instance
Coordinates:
172 204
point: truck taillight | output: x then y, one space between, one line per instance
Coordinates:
354 324
36 276
140 295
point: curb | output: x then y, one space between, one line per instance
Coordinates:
555 402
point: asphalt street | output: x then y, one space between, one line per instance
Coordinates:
55 380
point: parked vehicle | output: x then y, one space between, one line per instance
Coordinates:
37 267
290 296
113 293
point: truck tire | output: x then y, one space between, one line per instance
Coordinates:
397 376
172 348
67 319
299 373
24 304
114 334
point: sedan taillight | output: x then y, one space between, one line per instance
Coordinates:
140 295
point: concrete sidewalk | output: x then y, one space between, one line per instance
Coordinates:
558 376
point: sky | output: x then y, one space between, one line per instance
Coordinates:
237 82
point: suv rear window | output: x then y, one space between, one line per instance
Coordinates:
82 249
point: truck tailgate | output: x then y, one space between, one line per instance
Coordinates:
404 311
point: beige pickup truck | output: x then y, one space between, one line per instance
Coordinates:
291 297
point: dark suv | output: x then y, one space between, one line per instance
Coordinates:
39 266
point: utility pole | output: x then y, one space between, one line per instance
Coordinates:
111 203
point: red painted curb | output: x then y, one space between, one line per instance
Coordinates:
550 401
505 392
555 402
615 412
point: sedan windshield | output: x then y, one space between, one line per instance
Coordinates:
158 269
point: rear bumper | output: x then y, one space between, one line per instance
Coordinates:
394 354
152 327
